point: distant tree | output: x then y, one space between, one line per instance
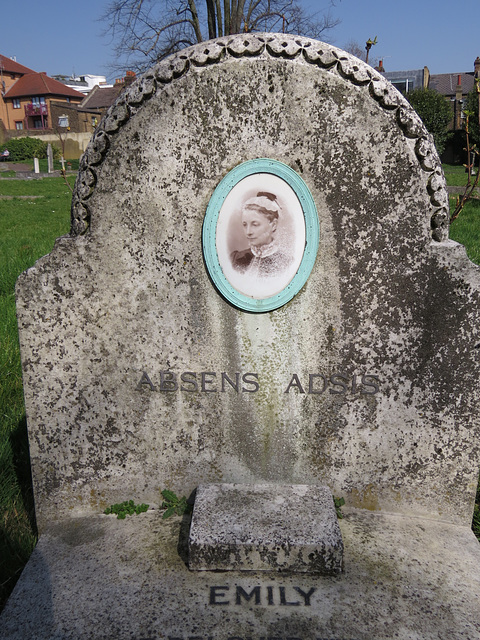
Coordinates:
359 51
471 125
355 48
145 31
435 112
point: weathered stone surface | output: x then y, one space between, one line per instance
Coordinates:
367 381
99 578
265 527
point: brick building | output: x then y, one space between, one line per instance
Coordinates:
27 101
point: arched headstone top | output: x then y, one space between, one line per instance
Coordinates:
255 290
253 47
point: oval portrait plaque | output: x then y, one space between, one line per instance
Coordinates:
260 235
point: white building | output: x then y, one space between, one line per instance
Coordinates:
84 83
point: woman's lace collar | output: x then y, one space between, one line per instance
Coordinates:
264 250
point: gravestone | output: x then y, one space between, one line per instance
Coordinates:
50 158
165 346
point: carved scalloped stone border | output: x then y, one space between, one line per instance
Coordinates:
277 46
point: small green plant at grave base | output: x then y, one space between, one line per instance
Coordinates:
127 508
476 514
476 520
339 502
174 504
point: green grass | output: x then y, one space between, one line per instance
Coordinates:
57 165
455 175
28 228
466 229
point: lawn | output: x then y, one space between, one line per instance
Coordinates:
37 213
455 175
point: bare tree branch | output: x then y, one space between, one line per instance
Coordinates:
145 31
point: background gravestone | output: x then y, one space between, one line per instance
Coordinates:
367 380
50 158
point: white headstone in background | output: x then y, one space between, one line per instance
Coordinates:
50 158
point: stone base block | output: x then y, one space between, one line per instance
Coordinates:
99 578
239 527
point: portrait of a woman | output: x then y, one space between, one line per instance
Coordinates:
258 226
264 256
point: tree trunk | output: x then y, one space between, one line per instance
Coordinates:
238 22
212 25
233 16
195 21
219 18
226 18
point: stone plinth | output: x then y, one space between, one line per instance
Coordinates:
265 527
100 578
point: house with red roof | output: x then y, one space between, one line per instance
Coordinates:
27 97
10 72
36 105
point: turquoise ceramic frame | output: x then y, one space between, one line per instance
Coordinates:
312 234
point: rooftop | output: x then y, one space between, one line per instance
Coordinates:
36 84
446 83
102 97
7 65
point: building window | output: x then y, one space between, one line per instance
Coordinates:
39 124
63 121
38 100
404 85
18 125
16 103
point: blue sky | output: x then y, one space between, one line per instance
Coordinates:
62 37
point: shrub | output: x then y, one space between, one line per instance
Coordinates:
27 148
435 112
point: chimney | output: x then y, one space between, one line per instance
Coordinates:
380 67
476 66
129 78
